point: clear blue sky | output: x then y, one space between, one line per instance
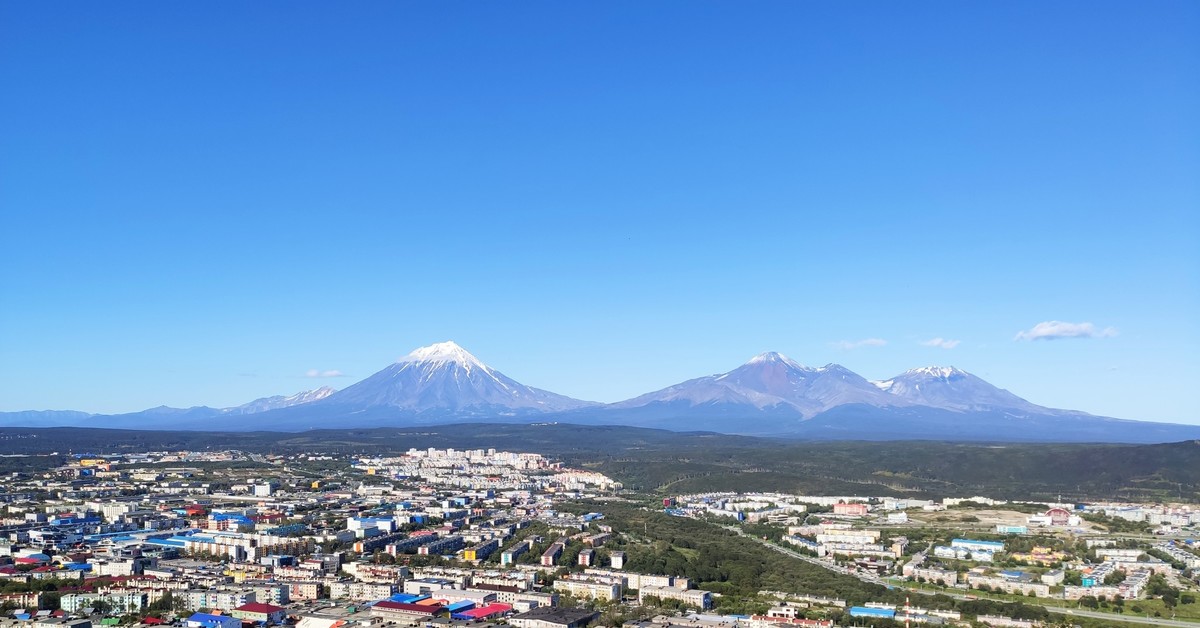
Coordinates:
203 202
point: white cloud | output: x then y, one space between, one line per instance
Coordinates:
847 345
1052 330
942 343
319 373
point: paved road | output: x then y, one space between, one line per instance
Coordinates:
809 559
1133 619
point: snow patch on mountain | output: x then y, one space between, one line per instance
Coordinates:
938 372
279 401
950 388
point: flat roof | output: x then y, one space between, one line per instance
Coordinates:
557 615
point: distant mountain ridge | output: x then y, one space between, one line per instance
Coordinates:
280 401
772 382
770 394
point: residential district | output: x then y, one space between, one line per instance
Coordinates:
445 537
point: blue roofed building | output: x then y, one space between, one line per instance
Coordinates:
878 613
206 620
973 545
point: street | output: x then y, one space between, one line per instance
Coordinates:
1133 619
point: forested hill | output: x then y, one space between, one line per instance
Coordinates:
673 462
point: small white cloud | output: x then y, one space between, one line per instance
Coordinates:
319 373
847 345
1053 330
942 343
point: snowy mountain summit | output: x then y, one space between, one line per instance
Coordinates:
444 378
946 373
442 353
951 388
773 357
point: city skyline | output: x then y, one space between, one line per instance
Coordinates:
208 207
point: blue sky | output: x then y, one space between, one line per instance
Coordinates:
204 202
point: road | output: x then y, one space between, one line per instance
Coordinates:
1133 619
809 559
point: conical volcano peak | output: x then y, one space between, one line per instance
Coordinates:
773 357
445 380
443 353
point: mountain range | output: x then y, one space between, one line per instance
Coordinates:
769 395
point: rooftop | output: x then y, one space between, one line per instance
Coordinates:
556 615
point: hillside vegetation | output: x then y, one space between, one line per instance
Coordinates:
672 462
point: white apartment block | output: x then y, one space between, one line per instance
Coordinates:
360 591
589 589
123 602
695 597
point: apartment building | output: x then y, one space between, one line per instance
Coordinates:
694 597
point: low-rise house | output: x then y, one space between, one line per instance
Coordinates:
260 613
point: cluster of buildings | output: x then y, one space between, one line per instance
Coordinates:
144 533
1167 518
835 538
969 549
1189 560
1123 571
752 507
480 469
444 535
1095 581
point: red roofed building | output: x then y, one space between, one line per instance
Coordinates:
484 612
268 517
1058 516
399 611
259 612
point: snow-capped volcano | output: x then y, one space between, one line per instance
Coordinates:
442 353
768 381
950 388
444 378
770 394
